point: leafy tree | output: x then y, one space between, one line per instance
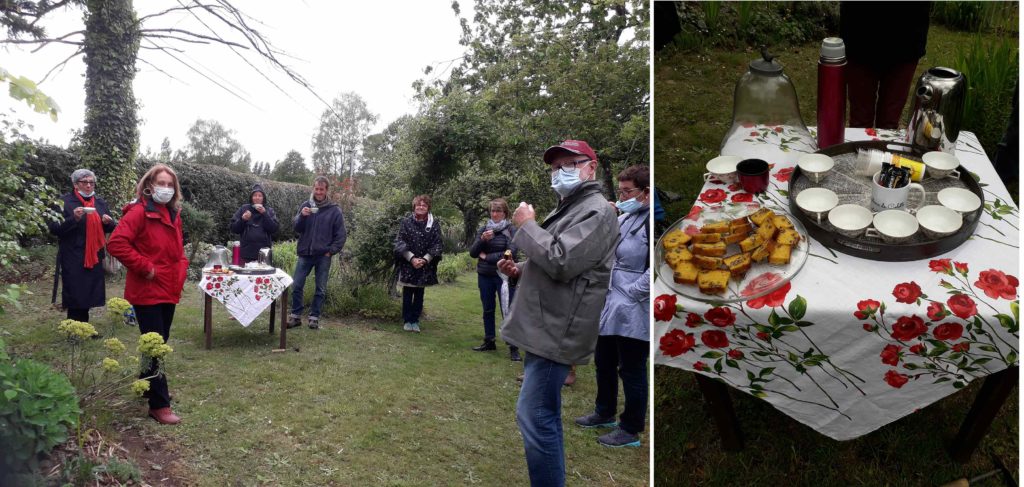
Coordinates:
338 141
261 169
292 169
211 143
165 151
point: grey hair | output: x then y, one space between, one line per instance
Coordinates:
81 173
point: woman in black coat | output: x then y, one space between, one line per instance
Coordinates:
492 240
256 223
81 241
417 251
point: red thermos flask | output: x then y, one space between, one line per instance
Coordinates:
831 92
236 253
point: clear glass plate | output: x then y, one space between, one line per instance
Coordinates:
762 278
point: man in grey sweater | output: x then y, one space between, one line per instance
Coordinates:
562 288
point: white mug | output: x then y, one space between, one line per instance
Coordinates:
883 198
722 168
941 164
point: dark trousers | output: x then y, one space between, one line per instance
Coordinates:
490 294
79 314
628 357
412 303
156 318
878 93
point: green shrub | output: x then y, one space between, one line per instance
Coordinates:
977 16
991 73
454 264
37 407
751 24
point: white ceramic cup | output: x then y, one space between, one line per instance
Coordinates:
850 220
941 164
88 210
883 198
313 209
937 221
257 206
815 166
960 200
817 202
722 168
893 226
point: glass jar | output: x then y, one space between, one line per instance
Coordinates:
766 110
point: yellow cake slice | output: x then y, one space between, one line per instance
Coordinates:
752 242
738 264
712 282
707 238
762 252
788 236
781 221
716 227
762 215
706 262
685 273
735 237
744 227
780 256
675 238
677 255
767 231
716 249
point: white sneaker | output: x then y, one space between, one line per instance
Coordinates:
407 327
415 327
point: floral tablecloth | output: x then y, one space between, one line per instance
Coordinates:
850 345
245 296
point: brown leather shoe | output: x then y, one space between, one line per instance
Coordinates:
571 378
164 416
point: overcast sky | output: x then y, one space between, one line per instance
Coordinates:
375 49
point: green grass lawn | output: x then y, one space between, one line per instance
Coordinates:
693 94
359 403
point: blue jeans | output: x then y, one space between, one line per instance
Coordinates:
412 303
539 414
490 293
322 263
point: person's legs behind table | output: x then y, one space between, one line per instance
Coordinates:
862 91
893 90
539 415
323 270
303 265
632 367
157 318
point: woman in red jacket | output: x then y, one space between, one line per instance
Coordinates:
149 243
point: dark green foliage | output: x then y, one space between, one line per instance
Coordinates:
25 201
37 406
196 225
990 68
211 143
292 170
753 24
111 137
999 17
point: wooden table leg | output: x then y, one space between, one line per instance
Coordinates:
273 308
990 399
208 319
716 396
284 315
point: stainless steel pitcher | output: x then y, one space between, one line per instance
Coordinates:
938 110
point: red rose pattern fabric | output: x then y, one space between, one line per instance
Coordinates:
664 307
948 332
712 196
908 292
997 284
714 339
962 306
720 316
676 343
895 379
908 328
891 354
772 299
783 175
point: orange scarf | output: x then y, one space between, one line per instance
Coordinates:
94 240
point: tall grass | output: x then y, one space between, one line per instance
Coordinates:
999 17
991 72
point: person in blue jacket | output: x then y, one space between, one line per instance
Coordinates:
256 223
321 229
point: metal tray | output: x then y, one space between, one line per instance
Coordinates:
857 190
252 272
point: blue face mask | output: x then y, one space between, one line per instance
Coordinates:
565 181
87 195
629 206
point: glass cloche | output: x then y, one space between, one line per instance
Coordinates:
766 110
219 259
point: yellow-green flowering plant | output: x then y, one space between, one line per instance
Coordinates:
119 311
140 386
76 331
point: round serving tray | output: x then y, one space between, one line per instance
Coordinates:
857 190
252 272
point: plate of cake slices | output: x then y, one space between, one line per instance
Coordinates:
732 252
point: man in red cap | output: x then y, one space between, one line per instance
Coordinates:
562 288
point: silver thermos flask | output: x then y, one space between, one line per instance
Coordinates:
938 110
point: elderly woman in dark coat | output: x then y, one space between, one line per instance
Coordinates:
492 241
417 251
81 241
256 223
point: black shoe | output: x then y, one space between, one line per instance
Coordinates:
513 353
486 346
293 322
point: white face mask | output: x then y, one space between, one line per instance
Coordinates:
163 195
564 182
87 195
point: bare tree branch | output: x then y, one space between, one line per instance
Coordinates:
146 32
172 9
164 48
45 41
61 64
200 73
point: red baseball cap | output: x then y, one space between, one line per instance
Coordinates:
579 147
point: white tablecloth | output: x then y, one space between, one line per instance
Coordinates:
850 345
245 296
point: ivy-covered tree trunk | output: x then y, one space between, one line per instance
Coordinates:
111 137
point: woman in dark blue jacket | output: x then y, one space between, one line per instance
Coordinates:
418 247
256 223
81 241
492 240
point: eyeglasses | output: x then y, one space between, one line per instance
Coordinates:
86 183
569 165
625 192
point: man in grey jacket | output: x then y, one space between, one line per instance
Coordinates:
561 291
321 228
